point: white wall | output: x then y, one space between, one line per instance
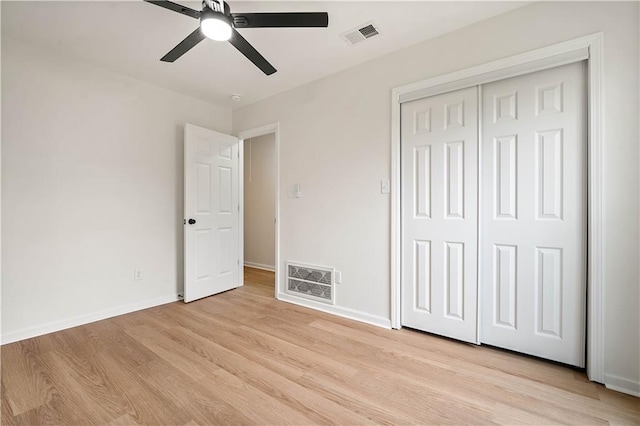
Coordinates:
92 170
260 201
335 142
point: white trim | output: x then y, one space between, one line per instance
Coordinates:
52 327
336 310
535 60
241 211
620 384
396 222
487 73
479 220
252 133
595 218
260 266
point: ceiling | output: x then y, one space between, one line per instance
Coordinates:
129 37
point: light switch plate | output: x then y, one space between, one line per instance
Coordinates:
384 186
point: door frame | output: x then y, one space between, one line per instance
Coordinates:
588 47
253 133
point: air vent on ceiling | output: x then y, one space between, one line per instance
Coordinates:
360 34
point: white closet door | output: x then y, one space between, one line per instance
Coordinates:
533 224
439 214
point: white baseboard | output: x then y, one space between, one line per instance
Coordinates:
620 384
51 327
337 310
260 266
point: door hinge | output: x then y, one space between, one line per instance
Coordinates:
238 262
238 208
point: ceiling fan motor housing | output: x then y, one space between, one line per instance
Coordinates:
216 25
217 6
208 14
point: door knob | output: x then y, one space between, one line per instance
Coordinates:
192 221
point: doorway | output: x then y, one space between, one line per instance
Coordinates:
259 202
259 163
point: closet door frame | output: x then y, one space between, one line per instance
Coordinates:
588 48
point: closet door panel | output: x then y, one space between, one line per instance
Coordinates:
533 214
439 214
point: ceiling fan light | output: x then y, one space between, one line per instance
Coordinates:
216 27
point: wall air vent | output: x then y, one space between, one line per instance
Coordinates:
361 33
311 282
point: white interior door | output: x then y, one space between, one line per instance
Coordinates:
534 214
212 222
439 214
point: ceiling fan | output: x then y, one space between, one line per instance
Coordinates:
218 23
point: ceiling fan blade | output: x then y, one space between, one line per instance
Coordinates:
252 54
280 20
176 8
184 46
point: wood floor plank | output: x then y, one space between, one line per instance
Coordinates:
66 402
81 365
429 403
86 385
172 352
471 376
374 405
202 403
148 404
254 343
259 350
242 357
55 412
316 408
115 342
124 420
7 415
272 353
26 384
134 319
527 367
264 408
506 414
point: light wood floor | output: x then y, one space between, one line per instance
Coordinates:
241 357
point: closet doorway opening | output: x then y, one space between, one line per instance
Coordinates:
494 214
587 48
